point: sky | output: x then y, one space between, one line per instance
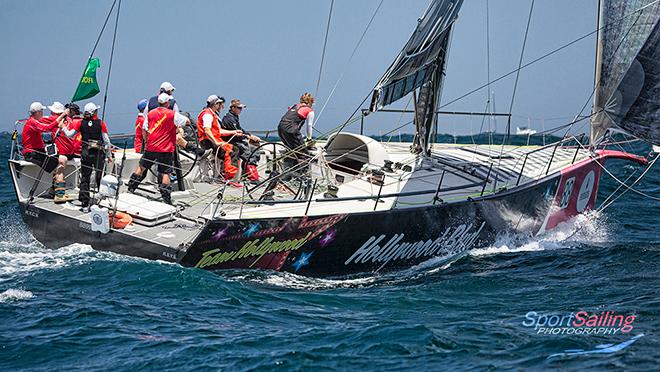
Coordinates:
267 53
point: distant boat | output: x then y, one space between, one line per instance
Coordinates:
525 131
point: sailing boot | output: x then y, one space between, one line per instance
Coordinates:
134 181
60 193
166 193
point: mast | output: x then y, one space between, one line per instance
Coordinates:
596 117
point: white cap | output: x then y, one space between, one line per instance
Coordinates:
212 99
164 97
167 86
36 106
90 107
56 108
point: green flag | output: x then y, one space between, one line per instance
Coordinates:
88 86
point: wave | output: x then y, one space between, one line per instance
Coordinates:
588 228
11 295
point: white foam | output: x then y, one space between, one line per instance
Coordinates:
584 228
293 281
15 295
16 259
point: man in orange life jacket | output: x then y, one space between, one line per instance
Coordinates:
139 126
95 148
159 148
210 135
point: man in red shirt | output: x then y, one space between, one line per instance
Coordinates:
161 127
139 122
95 148
65 145
34 148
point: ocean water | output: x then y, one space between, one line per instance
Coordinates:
78 309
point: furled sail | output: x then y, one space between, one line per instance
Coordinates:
628 69
420 65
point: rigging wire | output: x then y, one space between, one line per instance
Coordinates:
112 53
350 59
98 38
325 43
548 54
515 84
102 29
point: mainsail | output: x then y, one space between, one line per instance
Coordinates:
628 69
421 64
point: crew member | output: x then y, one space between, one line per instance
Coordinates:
34 148
292 122
211 134
139 126
95 148
167 88
73 115
231 122
159 147
65 145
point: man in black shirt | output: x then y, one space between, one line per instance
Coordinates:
231 121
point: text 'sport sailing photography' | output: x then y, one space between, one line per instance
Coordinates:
335 185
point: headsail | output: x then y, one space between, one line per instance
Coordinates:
421 63
628 69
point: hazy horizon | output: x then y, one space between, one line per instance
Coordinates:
267 54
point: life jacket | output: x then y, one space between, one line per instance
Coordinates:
153 104
295 116
215 125
162 130
91 132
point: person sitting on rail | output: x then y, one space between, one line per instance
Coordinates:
34 148
231 122
96 148
211 134
159 147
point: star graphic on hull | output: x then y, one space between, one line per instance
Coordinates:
220 233
303 260
328 237
253 228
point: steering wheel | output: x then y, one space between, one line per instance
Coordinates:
275 167
194 157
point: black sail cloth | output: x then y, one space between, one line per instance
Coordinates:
628 71
421 65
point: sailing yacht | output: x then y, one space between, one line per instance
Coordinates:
357 205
